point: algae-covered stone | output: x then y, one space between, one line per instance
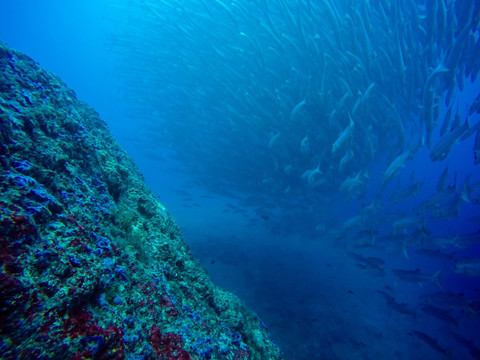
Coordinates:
93 266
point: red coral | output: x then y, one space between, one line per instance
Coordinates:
118 336
23 225
166 302
81 324
172 312
242 354
167 346
115 249
16 226
187 292
7 256
149 288
76 324
74 242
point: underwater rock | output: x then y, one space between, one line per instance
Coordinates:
93 266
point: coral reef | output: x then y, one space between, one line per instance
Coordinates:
92 265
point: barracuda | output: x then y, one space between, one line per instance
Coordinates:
344 136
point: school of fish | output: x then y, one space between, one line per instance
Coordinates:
334 119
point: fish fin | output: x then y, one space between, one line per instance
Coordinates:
471 310
437 280
405 249
465 193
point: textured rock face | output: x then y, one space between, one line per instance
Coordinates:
92 264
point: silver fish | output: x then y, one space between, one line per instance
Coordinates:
344 136
442 148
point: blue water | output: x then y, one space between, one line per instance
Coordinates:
206 96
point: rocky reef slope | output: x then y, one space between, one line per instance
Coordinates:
92 265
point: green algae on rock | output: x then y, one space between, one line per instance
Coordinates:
93 266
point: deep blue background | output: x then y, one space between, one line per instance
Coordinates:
314 297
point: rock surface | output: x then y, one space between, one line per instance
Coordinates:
93 266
